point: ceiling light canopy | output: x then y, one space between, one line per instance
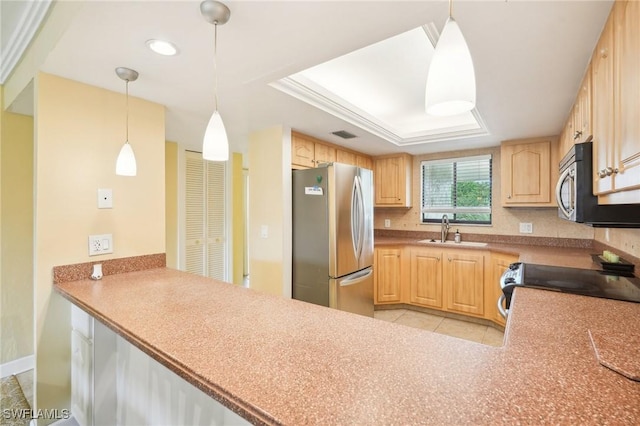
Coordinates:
126 162
162 47
215 146
451 81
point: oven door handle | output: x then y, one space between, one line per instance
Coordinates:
563 176
503 312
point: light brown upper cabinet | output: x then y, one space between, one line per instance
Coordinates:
302 151
616 107
346 157
602 65
529 172
578 126
392 175
308 152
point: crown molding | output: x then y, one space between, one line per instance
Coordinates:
352 115
23 33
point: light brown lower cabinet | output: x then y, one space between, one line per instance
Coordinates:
463 277
454 280
388 275
425 279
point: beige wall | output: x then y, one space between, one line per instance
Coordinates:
171 202
505 221
79 132
17 237
626 240
270 205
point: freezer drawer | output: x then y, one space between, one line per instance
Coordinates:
353 293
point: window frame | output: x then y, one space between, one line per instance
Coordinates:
452 211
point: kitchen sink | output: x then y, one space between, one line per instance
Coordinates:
452 243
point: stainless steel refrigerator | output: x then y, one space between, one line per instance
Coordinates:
333 237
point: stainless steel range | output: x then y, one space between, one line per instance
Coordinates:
587 282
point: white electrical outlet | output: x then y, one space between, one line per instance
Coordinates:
100 244
264 231
387 223
526 228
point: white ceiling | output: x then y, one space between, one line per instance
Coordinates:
529 58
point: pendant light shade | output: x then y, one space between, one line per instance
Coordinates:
451 81
215 145
126 162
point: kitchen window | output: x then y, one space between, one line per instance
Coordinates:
459 188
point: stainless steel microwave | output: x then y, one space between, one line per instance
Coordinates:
574 193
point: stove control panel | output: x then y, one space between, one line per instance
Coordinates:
513 275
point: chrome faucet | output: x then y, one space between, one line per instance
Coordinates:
444 229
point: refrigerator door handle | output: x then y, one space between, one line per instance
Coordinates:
355 220
360 225
356 278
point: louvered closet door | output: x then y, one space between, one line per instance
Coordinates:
205 245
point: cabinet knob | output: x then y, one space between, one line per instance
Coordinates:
509 196
610 171
449 259
604 53
602 174
437 259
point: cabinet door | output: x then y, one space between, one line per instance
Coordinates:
346 157
364 162
627 75
302 151
527 173
584 100
391 175
388 275
603 105
426 278
324 153
499 264
463 277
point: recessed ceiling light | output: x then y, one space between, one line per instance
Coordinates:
162 47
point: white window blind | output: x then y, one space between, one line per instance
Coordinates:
457 187
205 231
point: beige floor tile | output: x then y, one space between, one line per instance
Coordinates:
462 329
389 314
419 320
493 337
26 383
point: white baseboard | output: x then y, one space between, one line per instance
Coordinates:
17 366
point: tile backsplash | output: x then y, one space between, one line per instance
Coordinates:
505 221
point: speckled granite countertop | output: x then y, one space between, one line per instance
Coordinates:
572 257
280 361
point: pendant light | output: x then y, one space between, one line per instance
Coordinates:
215 146
126 163
451 81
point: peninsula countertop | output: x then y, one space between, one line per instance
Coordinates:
279 361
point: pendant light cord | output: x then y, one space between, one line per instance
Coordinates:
450 8
127 109
215 63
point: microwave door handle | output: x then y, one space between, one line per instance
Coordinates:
559 192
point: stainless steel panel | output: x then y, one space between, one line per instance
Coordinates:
366 254
342 255
353 293
310 263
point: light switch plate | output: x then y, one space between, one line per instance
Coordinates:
100 244
105 199
526 228
264 231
